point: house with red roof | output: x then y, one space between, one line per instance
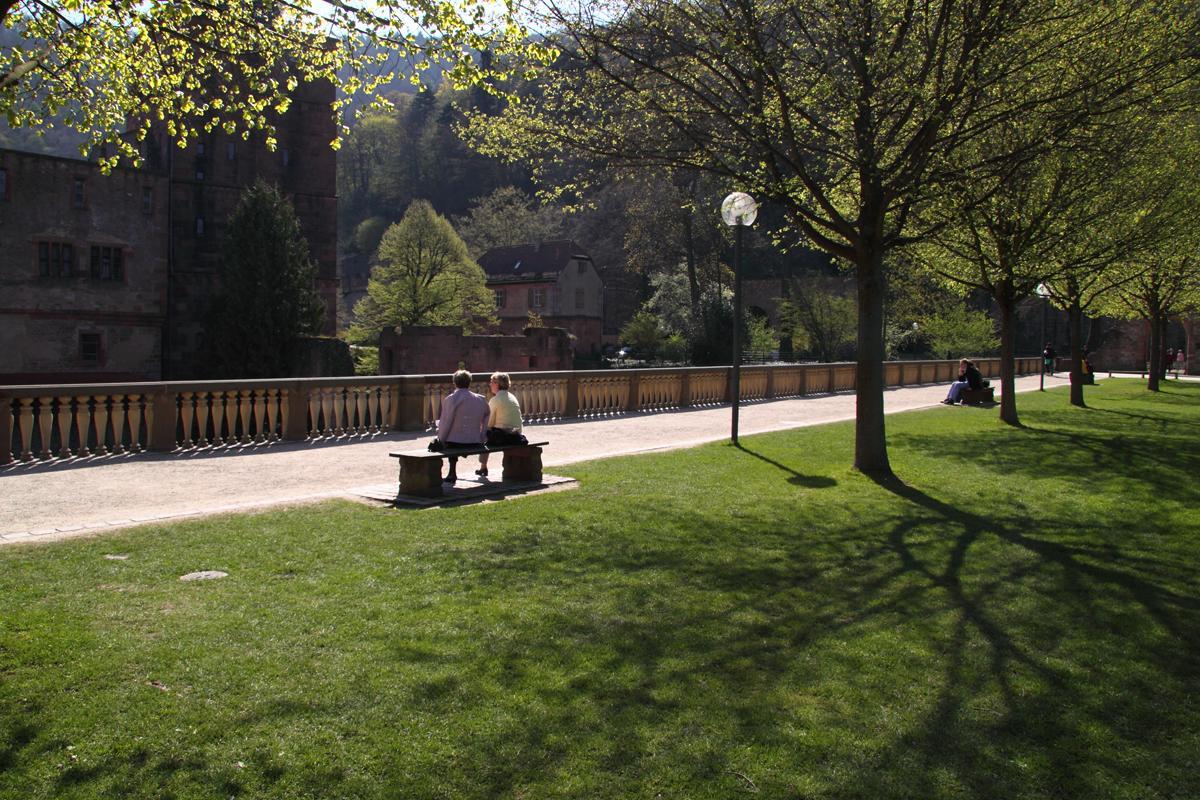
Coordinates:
555 280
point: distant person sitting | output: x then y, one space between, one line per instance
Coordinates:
504 424
1180 362
1048 358
969 377
463 421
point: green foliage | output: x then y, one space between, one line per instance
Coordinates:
505 218
193 66
710 620
674 349
759 336
268 297
368 235
424 276
820 315
366 359
643 333
956 331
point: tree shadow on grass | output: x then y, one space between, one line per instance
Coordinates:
756 632
797 478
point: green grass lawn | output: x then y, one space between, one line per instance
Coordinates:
1019 618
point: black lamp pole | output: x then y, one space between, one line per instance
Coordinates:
736 389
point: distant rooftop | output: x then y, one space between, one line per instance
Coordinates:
527 260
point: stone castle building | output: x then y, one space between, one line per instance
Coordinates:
113 277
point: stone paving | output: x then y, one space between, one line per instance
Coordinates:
85 496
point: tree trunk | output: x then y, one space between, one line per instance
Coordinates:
690 258
1075 319
870 441
1008 397
1155 351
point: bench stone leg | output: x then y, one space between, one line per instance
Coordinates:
523 464
421 477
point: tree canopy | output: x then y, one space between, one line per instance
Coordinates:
268 298
848 116
103 67
424 276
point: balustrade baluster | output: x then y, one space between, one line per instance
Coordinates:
331 424
284 403
263 400
25 427
120 415
83 418
100 417
385 401
360 406
314 412
145 412
206 416
187 411
243 416
63 418
45 419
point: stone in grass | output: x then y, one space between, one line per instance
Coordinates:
117 557
204 575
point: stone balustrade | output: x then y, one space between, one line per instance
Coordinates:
43 423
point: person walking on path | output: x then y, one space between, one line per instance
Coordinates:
463 421
1048 358
504 422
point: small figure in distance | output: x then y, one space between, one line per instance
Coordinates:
463 421
969 377
504 424
1180 360
1048 358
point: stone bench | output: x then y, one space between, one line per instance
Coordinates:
421 470
981 396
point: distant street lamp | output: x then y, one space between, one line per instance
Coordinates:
739 211
1044 293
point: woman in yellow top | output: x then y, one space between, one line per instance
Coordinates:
504 423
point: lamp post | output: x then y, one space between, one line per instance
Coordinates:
738 210
1044 293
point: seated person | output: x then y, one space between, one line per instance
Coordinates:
463 421
504 424
969 377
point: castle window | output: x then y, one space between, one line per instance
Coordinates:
582 267
537 298
286 155
90 347
107 263
78 197
56 259
230 151
199 226
500 298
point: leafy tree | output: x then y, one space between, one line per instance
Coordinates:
198 65
957 331
424 276
759 336
268 298
508 217
643 333
848 117
820 317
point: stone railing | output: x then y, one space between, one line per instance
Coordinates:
41 423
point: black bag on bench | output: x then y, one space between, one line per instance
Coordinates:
498 437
